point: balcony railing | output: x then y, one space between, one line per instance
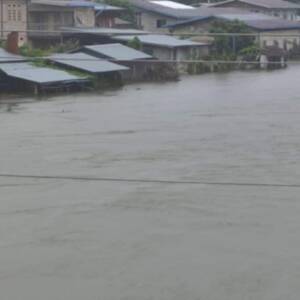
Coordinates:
46 29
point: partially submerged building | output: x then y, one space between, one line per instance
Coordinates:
140 63
103 69
164 47
24 76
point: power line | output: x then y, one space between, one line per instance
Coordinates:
181 34
57 59
150 181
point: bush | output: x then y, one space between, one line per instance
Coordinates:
135 43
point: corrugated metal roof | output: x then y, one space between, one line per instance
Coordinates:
172 4
116 51
256 21
35 74
64 3
160 40
85 62
106 7
9 57
276 4
102 31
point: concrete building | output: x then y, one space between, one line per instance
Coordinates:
277 8
13 17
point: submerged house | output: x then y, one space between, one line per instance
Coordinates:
23 76
103 69
140 63
164 47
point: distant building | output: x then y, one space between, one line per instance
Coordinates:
13 17
164 47
140 63
277 8
270 31
47 17
154 15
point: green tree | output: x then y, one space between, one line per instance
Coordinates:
135 43
231 44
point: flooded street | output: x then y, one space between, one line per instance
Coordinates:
235 237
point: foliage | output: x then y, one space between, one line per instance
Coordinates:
135 43
225 44
128 14
27 50
251 51
3 44
66 46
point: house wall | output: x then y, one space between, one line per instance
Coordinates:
289 14
14 15
50 20
176 54
105 20
288 42
84 17
149 21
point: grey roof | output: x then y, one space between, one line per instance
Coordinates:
28 72
269 25
182 14
65 3
146 5
275 4
262 22
116 51
256 21
9 57
106 7
161 40
87 63
102 31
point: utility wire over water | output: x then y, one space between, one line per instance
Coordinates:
141 180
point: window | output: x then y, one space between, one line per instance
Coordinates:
19 15
160 23
14 12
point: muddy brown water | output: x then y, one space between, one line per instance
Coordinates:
73 240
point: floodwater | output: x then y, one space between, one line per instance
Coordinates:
68 239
